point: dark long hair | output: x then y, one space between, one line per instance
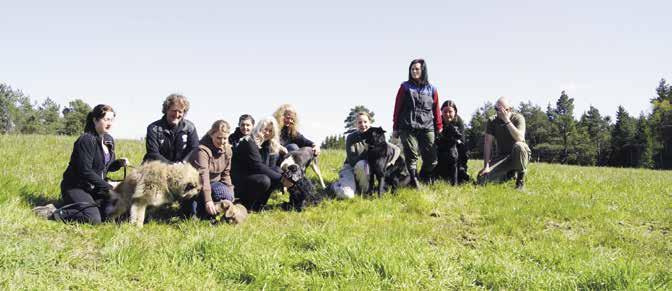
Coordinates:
451 104
424 77
97 113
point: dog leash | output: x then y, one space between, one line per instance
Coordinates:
124 178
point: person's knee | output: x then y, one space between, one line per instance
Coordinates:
361 172
264 182
362 167
292 147
93 216
520 147
343 192
221 192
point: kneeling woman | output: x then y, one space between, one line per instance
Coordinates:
255 180
84 191
213 162
451 147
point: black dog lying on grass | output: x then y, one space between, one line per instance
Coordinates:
385 163
301 190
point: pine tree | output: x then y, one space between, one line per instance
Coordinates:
351 120
74 117
562 119
474 133
537 126
598 130
643 144
49 117
661 125
621 139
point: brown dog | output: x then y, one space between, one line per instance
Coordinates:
231 213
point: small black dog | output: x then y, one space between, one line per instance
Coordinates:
452 156
386 166
448 155
301 190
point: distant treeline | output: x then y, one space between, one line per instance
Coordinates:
19 115
554 135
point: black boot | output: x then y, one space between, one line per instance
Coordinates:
415 183
520 180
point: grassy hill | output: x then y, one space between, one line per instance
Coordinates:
572 228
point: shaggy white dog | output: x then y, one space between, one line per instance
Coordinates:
153 184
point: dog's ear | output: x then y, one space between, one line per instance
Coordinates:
236 214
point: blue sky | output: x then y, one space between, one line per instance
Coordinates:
231 58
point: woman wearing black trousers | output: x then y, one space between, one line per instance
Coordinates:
253 179
83 189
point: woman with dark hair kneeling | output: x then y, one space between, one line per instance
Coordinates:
213 162
84 191
254 180
451 147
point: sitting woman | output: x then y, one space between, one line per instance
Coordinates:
354 174
253 179
213 162
290 137
451 147
84 191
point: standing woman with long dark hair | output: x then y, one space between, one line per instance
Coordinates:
84 190
417 120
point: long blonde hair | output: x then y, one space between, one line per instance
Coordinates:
258 133
279 115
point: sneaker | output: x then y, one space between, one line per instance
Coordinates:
46 211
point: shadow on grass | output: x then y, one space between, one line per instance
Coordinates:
35 199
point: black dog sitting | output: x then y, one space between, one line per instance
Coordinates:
452 156
301 190
385 164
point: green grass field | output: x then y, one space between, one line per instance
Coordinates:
571 228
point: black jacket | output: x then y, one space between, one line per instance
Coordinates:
170 144
235 137
87 168
453 131
247 161
299 139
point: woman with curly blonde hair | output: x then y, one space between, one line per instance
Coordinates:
290 137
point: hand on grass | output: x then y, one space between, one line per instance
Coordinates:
210 208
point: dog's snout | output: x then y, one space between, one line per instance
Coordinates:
189 187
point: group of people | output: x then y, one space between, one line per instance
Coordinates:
244 165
